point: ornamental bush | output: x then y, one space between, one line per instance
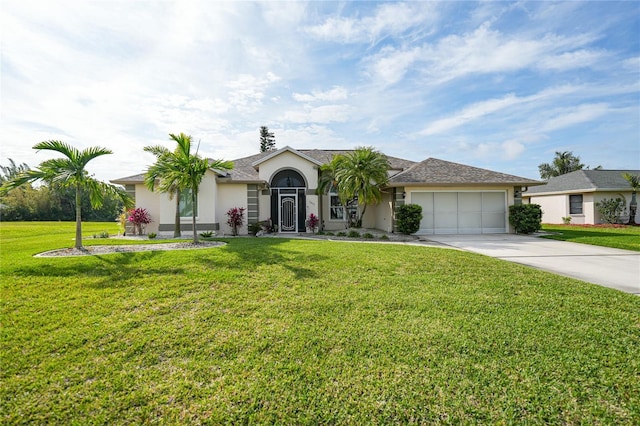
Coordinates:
235 218
611 209
139 217
313 222
409 217
525 218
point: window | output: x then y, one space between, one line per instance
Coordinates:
337 211
287 179
186 208
575 204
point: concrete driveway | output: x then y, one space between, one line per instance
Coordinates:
615 268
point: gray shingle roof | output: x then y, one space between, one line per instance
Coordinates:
429 171
139 178
434 171
586 180
244 170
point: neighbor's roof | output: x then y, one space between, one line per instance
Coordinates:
139 178
586 181
440 172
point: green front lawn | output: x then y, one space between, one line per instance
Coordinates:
270 330
623 237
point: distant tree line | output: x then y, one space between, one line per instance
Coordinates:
50 201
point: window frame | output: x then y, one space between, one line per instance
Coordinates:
574 206
336 211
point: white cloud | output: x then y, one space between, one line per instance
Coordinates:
388 19
470 113
481 109
390 65
570 60
482 51
322 114
564 117
337 93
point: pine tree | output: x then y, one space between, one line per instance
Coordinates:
267 140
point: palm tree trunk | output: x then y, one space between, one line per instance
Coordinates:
176 222
633 208
364 209
78 244
194 199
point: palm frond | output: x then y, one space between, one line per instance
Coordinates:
63 148
157 150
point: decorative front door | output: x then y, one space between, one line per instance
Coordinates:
288 213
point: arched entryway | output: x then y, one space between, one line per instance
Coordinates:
288 202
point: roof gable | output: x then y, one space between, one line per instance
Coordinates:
272 154
440 172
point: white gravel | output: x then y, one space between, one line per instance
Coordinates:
95 250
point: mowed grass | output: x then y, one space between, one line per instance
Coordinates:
271 330
622 237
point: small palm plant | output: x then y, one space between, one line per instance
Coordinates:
634 182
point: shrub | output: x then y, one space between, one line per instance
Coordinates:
409 217
236 218
254 228
312 222
566 220
353 234
206 234
268 226
139 217
122 220
103 234
367 235
341 234
611 209
152 235
384 237
329 234
525 218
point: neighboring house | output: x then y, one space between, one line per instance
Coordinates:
575 195
281 186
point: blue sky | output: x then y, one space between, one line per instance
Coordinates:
499 85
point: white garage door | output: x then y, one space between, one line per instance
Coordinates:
477 212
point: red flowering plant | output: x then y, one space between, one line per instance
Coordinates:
139 217
235 218
313 222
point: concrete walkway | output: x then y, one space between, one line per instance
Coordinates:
609 267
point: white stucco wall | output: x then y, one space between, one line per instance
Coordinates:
149 200
554 208
289 160
382 212
230 196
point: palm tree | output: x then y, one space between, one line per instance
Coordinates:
634 181
166 171
70 172
181 170
360 175
563 163
327 181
